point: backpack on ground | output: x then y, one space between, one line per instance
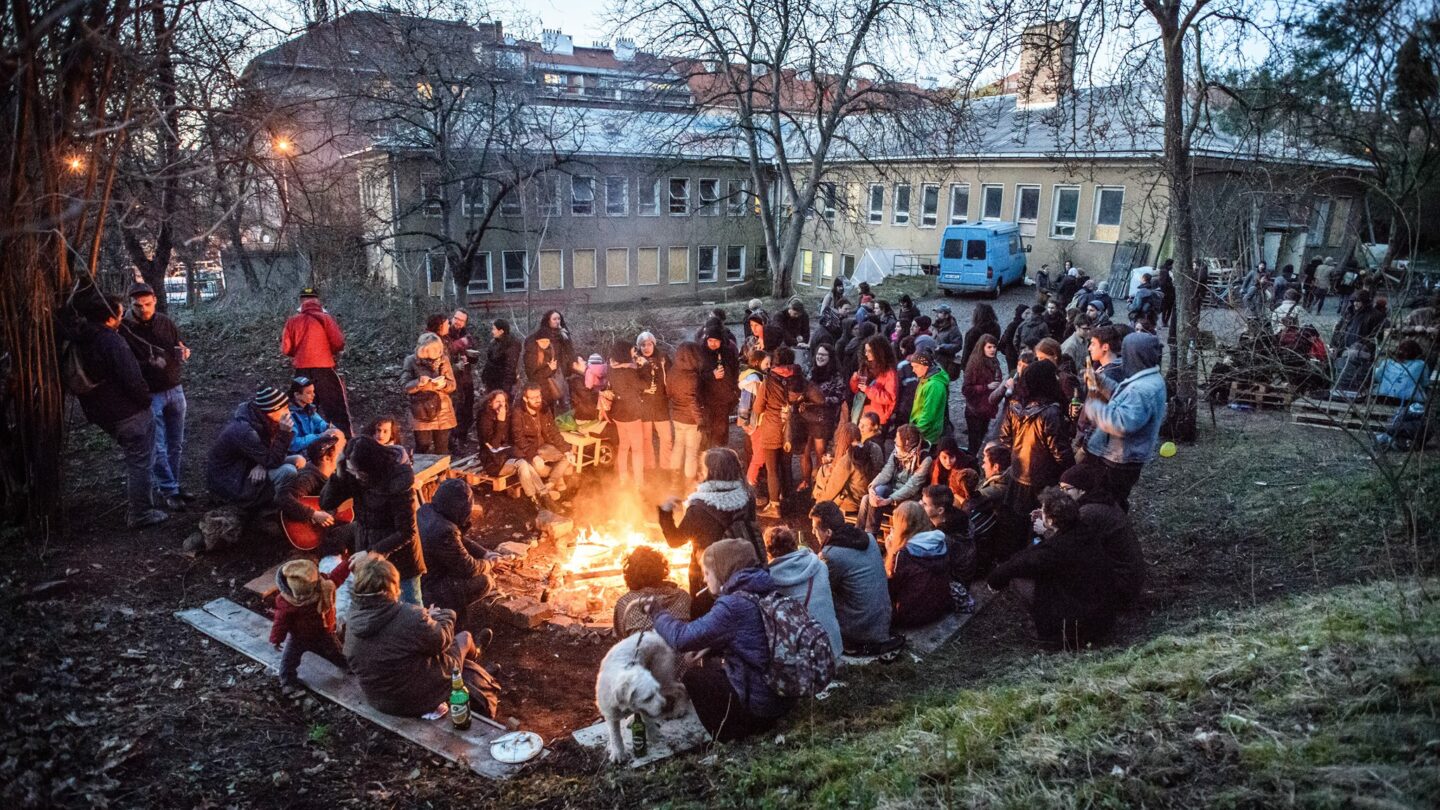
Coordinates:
801 661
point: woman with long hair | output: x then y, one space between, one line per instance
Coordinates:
982 322
1037 432
721 506
950 463
652 359
917 562
876 379
819 420
626 388
982 378
908 520
549 357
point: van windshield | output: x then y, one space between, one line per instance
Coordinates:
975 249
954 248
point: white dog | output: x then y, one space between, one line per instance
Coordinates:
637 676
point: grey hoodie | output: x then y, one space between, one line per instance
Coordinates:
802 576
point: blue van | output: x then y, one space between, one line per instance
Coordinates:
981 257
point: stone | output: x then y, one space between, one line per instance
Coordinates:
510 548
522 612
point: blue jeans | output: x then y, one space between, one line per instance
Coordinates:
136 436
168 410
410 592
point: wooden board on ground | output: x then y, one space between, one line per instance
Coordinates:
1260 395
249 633
677 736
1364 416
923 641
264 585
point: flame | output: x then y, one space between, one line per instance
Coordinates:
605 548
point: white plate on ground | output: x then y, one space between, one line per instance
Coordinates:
516 747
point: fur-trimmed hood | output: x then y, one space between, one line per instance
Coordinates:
723 496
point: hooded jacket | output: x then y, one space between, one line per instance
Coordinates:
861 595
454 568
846 479
802 576
1127 428
932 396
920 586
384 514
312 337
120 391
399 654
948 335
735 628
709 512
303 621
250 438
1032 330
308 424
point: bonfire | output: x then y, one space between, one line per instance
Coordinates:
587 583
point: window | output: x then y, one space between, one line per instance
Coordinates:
647 198
435 270
1339 221
513 203
959 203
735 263
1319 218
1109 203
847 265
709 197
877 204
678 262
825 266
827 201
515 266
582 195
902 205
929 205
1027 208
552 270
991 202
1066 212
647 265
550 196
807 267
473 198
617 196
582 269
430 195
975 249
679 196
481 280
736 197
1014 243
953 249
617 267
707 263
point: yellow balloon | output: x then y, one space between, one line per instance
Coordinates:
1167 450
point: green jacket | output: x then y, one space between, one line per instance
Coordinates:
931 398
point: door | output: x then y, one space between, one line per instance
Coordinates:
975 267
1270 247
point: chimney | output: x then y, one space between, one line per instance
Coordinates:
1047 63
552 41
625 49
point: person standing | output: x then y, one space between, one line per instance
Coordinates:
157 346
383 491
626 406
653 361
775 419
120 405
982 378
684 387
502 359
1038 434
429 381
719 386
1127 416
932 395
312 339
876 379
458 347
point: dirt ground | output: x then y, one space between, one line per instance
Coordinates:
111 701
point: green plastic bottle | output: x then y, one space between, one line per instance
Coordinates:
459 702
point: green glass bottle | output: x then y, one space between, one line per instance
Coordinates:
459 702
637 736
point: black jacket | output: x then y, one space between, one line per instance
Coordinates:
628 387
156 344
502 364
705 523
1111 526
451 561
529 432
250 438
719 396
1072 582
655 398
683 387
308 482
493 432
1038 436
384 515
120 390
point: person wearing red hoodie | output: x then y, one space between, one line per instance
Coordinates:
312 338
305 615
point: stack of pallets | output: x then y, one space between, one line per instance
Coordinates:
1260 395
1363 415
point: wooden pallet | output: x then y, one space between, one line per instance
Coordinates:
471 469
1363 415
1260 395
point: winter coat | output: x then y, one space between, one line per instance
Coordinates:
795 328
846 479
709 512
948 336
494 435
857 582
683 386
880 394
1077 348
977 391
932 398
304 622
920 585
1009 342
1111 527
802 576
1032 330
438 369
312 337
399 654
384 515
120 391
308 424
654 396
719 396
1072 581
455 569
628 388
1403 381
820 419
972 340
250 438
1039 439
531 431
959 544
156 344
1127 428
502 364
904 477
1360 322
784 387
735 628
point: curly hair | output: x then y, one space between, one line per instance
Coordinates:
645 568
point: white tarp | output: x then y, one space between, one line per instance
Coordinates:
1135 274
877 264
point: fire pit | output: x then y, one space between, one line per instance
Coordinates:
586 583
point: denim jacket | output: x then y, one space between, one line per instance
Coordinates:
1127 428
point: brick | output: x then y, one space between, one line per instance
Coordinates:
522 612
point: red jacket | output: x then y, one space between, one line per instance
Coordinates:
312 337
304 621
880 394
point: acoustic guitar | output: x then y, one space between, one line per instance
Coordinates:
306 536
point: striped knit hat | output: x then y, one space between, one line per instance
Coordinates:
270 399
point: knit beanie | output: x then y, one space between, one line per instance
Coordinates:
270 399
1088 478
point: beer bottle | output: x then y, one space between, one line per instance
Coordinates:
459 702
637 735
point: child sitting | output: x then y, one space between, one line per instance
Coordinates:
646 575
305 615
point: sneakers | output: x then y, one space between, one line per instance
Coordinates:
150 517
483 640
175 503
769 510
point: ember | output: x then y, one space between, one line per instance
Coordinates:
588 584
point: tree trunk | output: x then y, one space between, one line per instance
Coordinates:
1182 223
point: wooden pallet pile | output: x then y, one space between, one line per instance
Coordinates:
1260 395
472 470
1363 415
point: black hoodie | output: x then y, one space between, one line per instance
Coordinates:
384 513
451 561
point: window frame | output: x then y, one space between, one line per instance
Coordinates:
1096 225
670 252
594 269
929 215
827 201
728 253
700 252
1314 237
985 189
896 210
467 207
875 213
430 253
624 188
708 206
737 197
513 203
550 196
489 274
671 199
636 266
540 271
1055 221
505 270
609 251
965 214
575 201
432 195
653 203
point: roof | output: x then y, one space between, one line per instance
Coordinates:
382 42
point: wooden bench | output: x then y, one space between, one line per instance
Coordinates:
471 469
430 470
1362 415
1260 395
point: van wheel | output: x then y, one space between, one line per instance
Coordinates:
948 293
995 291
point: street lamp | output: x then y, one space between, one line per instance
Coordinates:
282 145
75 164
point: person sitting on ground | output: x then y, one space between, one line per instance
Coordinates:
457 570
919 566
647 577
801 575
538 441
932 397
1127 417
428 380
860 593
731 695
1063 579
321 459
306 419
999 531
721 506
251 459
900 480
939 504
384 502
1353 370
305 615
950 462
1111 526
404 655
845 475
1403 378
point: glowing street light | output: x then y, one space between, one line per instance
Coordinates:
283 145
75 164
